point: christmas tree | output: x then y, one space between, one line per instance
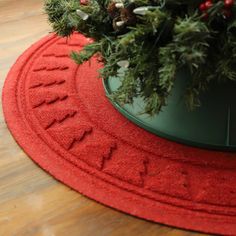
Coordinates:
145 43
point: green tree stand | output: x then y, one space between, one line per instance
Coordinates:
212 125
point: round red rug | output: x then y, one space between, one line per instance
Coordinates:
58 113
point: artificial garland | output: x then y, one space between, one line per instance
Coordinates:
144 43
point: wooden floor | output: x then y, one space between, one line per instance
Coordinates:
31 201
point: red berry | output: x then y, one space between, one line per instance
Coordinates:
229 3
208 4
227 13
202 7
84 2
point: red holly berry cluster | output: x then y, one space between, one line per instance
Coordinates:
228 4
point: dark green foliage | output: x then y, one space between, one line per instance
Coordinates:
171 35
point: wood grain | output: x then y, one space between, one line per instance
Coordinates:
31 201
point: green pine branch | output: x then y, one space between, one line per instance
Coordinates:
170 36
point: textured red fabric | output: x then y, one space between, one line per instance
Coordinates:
58 113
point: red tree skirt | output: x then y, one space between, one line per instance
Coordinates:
59 115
